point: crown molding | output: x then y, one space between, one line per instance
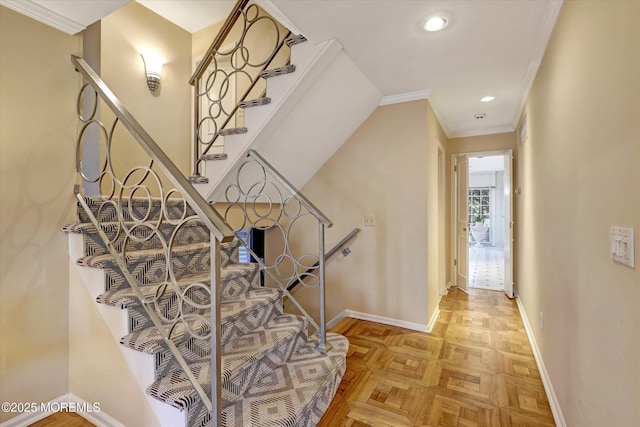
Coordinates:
441 119
548 24
479 132
44 15
405 97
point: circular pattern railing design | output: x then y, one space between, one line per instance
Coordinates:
136 208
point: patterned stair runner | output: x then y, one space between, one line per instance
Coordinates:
271 373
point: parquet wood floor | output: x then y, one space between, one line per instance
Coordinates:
63 419
476 369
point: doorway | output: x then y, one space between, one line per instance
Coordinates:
483 213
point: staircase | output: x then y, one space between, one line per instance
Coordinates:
272 373
295 123
204 335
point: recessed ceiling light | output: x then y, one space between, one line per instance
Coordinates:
487 98
436 23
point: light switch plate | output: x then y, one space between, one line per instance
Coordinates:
369 221
622 246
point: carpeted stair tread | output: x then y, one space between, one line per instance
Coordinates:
244 314
105 209
127 298
107 260
296 393
143 237
245 360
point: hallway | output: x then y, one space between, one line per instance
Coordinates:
475 369
486 267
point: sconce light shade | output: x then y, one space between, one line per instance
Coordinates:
153 66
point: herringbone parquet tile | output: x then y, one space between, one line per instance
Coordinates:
476 369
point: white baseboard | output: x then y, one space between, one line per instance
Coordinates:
89 411
546 380
385 320
99 418
28 418
434 319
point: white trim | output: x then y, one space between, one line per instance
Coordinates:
28 418
546 380
333 322
44 15
385 320
405 97
441 119
434 318
99 418
478 132
548 23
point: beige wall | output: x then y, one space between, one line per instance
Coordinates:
37 134
436 222
579 176
98 369
165 114
382 171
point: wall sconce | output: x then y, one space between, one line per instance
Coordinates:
153 65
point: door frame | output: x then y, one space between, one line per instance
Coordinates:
454 212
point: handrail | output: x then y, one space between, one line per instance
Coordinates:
198 159
341 243
208 95
328 255
155 319
244 194
216 224
291 188
217 42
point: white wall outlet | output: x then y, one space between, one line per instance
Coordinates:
622 246
369 221
541 320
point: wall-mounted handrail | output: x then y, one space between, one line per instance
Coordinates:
291 188
330 253
211 217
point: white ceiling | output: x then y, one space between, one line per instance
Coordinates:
191 15
490 47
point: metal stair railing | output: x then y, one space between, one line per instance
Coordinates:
143 184
266 200
218 90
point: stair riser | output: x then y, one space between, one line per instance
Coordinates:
169 305
148 270
237 382
242 379
187 234
305 369
194 349
145 238
237 319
